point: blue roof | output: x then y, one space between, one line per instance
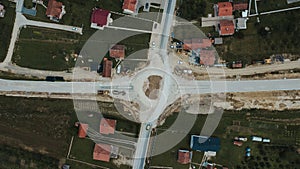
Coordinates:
203 143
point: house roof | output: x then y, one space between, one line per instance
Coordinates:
107 66
184 157
100 17
225 8
117 51
196 43
102 152
226 27
129 5
240 6
54 8
207 57
1 7
203 143
82 130
107 126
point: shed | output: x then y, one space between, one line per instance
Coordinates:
218 41
256 139
184 156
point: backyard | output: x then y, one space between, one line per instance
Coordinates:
284 136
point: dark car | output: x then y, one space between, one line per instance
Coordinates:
147 5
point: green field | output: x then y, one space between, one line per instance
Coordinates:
256 44
6 26
46 49
36 127
284 136
82 150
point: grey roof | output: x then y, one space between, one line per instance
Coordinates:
218 41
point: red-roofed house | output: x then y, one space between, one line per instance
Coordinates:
107 126
55 10
117 51
129 6
82 130
107 66
240 6
100 18
184 156
196 43
226 27
102 152
225 9
207 57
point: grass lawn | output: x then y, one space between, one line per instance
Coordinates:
44 127
12 157
46 49
33 55
6 26
82 150
255 44
284 137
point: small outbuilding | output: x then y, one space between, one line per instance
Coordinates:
184 157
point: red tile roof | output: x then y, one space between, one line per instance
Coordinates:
107 126
238 143
225 8
237 64
184 157
82 130
102 152
100 17
107 66
54 8
207 57
117 51
240 6
226 27
129 5
196 43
